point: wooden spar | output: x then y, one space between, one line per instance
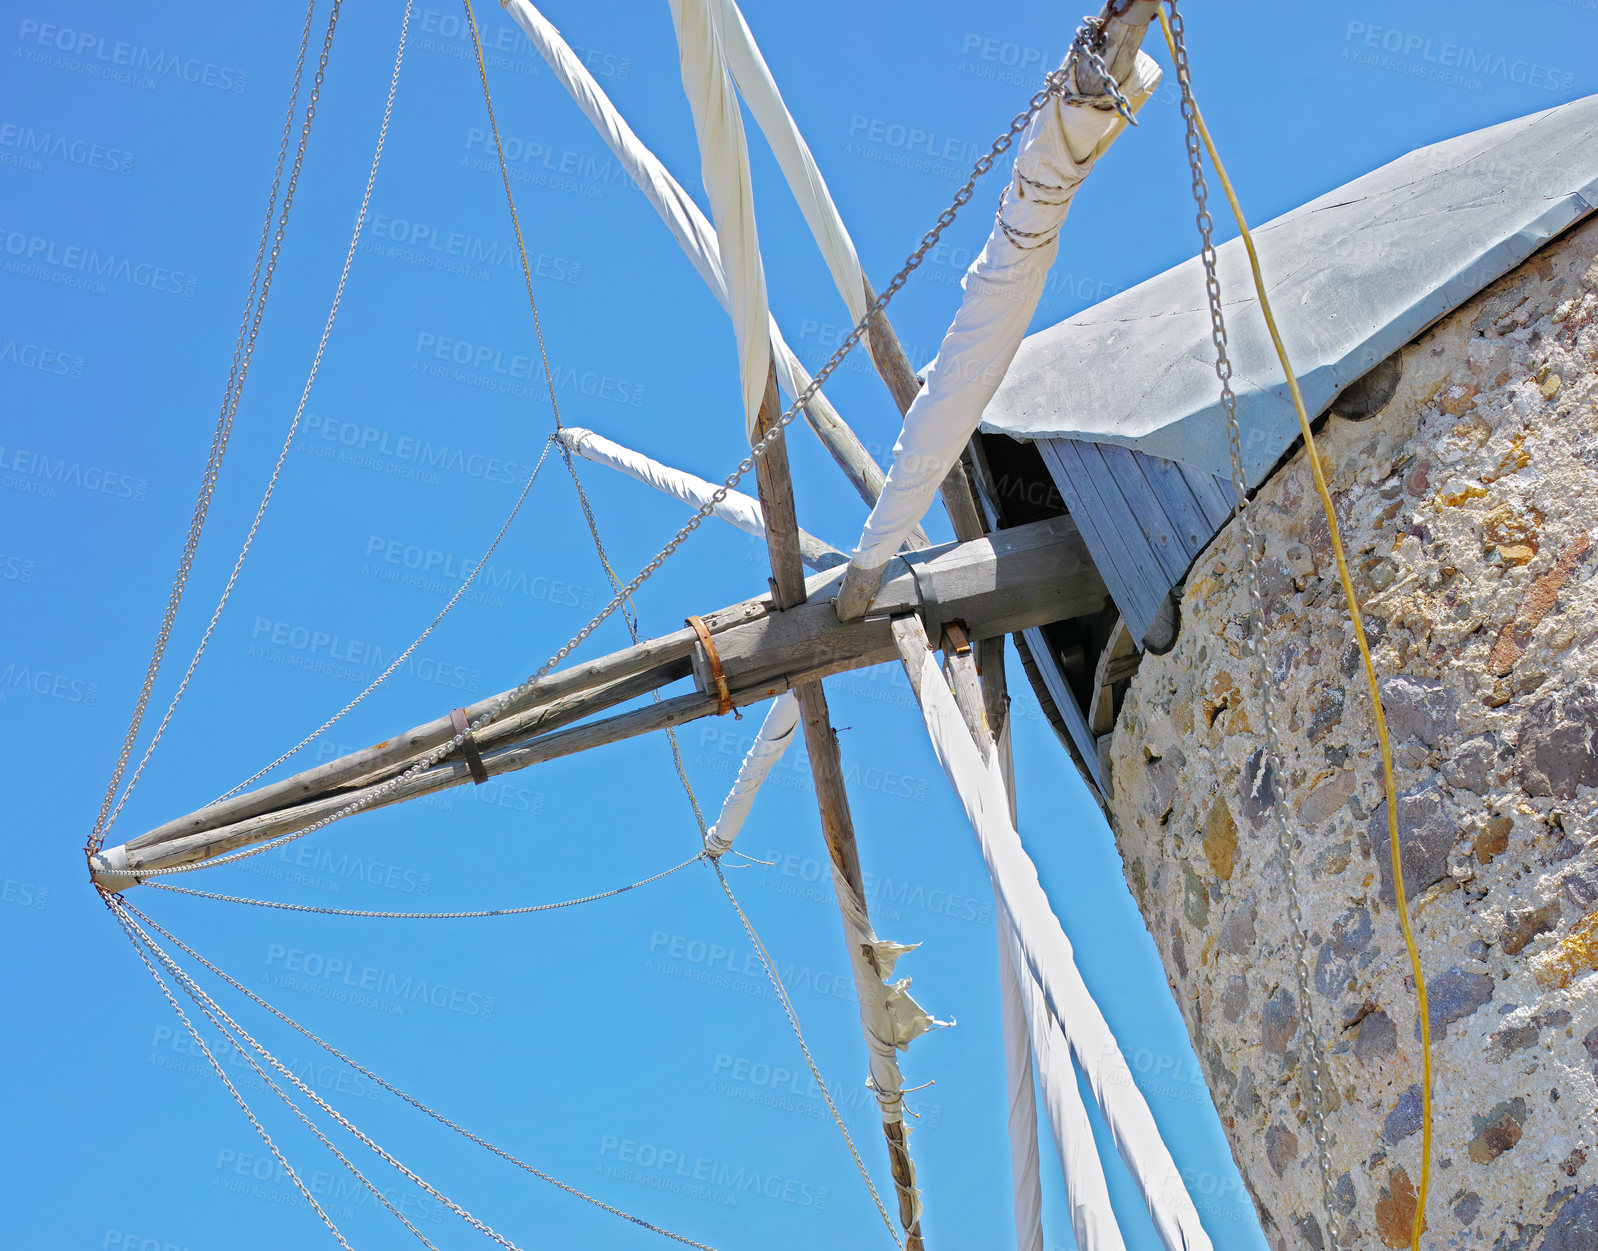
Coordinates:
817 553
959 667
1013 580
392 754
832 799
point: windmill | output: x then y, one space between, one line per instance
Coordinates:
895 598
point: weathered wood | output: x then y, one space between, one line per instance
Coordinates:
1019 577
661 657
826 767
1006 582
960 668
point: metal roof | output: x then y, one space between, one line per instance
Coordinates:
1353 276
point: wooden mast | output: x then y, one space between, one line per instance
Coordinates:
826 768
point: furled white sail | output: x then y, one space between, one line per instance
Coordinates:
759 91
776 732
736 509
1026 1183
1043 955
724 167
1001 291
1087 1196
675 207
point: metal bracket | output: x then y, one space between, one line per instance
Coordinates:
474 758
717 676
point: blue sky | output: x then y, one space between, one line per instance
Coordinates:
606 1043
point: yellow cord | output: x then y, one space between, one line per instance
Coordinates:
1365 655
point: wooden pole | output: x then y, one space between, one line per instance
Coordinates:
832 799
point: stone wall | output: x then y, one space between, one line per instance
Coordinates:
1469 509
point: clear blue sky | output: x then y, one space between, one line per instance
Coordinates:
590 1042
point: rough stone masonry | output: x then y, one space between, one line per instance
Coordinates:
1469 510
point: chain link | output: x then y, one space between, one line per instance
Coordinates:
395 1090
1053 86
1269 776
430 916
243 351
288 438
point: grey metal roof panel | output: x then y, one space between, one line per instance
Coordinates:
1353 275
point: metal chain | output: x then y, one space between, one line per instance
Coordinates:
119 909
1053 86
210 1006
629 610
415 643
294 425
400 1094
1088 44
1269 777
429 916
206 1004
242 351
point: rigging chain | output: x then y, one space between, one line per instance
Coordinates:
294 425
630 619
243 353
400 1094
1053 85
1356 621
212 1010
629 610
429 916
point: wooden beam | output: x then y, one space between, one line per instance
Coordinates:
960 668
826 768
